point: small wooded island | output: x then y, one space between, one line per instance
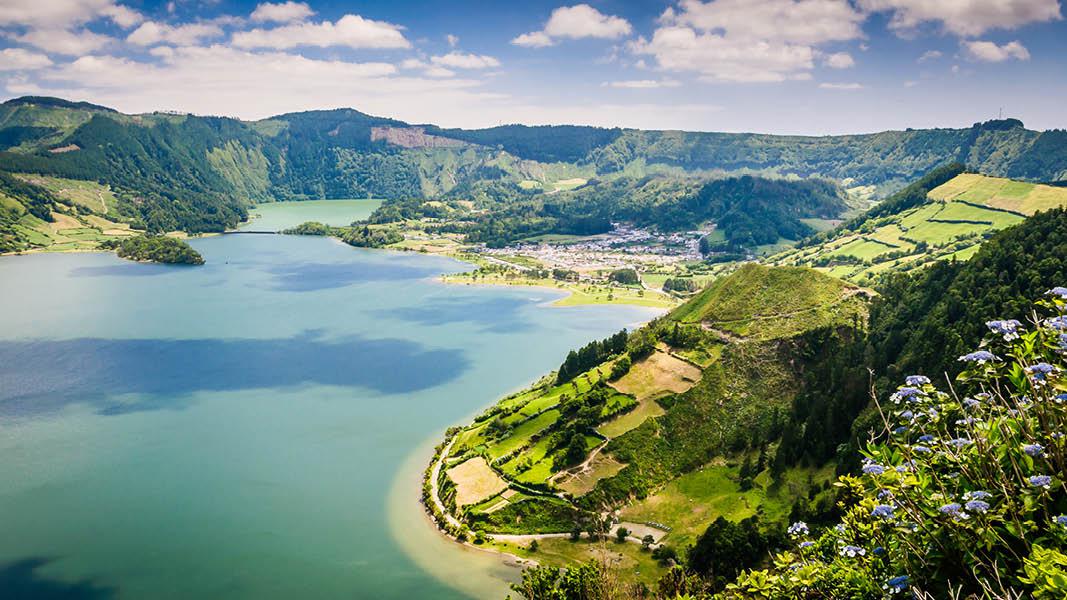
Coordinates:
353 235
155 248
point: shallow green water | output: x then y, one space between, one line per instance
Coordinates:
253 428
280 215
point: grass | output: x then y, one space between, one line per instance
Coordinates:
691 502
475 481
657 373
90 194
601 467
522 434
579 294
959 215
632 563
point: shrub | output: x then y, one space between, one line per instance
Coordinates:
964 493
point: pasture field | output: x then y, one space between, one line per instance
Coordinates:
691 502
475 481
89 194
633 563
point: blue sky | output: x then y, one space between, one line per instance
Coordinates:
776 66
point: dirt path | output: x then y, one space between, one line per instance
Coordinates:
435 473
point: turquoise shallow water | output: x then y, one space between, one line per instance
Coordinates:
280 215
253 428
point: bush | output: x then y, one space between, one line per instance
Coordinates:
964 495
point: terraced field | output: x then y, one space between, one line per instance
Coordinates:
958 216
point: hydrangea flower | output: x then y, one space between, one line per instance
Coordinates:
1034 449
798 529
1041 372
878 551
882 511
900 430
977 495
977 506
959 443
1061 520
966 421
1058 323
884 493
906 394
915 380
921 449
897 584
852 551
1058 291
907 414
873 469
979 356
1041 481
807 544
954 510
927 438
1060 398
971 403
1008 329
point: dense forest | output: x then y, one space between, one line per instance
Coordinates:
155 248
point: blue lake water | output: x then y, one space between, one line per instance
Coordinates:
252 428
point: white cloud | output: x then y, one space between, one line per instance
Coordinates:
719 58
964 17
575 22
462 60
151 33
534 39
785 21
61 14
642 84
911 83
990 52
281 12
352 31
65 41
18 59
846 87
930 55
452 40
839 60
752 40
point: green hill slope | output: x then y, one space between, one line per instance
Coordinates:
925 223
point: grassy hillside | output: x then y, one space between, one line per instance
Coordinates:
948 222
683 394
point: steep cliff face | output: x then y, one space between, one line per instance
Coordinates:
412 137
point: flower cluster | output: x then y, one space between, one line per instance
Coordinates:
966 486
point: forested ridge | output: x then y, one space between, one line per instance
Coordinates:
200 174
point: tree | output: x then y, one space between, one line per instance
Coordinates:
647 541
533 546
621 533
575 449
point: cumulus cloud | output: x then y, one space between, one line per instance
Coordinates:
452 40
575 22
752 40
463 60
151 33
966 18
281 12
533 39
642 84
19 59
352 31
65 41
719 58
845 87
785 21
839 60
990 52
62 14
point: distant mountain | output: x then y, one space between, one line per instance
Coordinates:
200 173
